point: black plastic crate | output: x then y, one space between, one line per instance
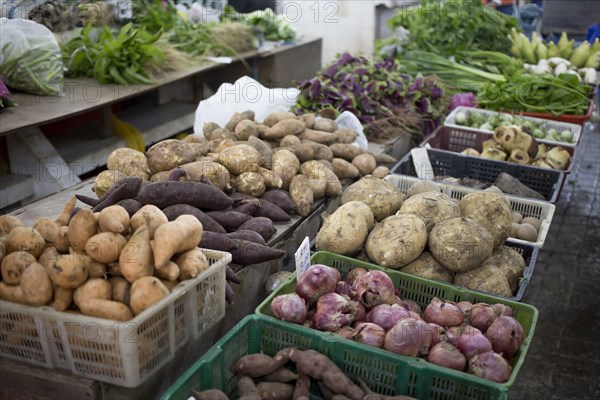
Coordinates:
544 181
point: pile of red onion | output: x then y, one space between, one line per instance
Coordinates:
477 338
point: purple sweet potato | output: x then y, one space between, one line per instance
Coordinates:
264 226
176 174
250 236
247 206
230 220
216 241
247 253
199 195
238 197
127 188
271 211
229 294
208 224
130 205
87 200
231 276
280 198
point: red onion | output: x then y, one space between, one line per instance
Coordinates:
370 334
443 313
289 308
346 332
406 337
481 316
465 307
332 313
374 288
316 281
386 315
490 366
471 343
454 333
437 333
446 355
410 305
502 310
506 335
358 311
354 274
345 289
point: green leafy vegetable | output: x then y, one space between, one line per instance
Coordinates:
272 26
155 15
451 26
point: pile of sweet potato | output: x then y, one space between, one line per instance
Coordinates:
104 264
288 375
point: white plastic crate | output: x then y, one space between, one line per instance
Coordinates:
120 353
528 208
546 123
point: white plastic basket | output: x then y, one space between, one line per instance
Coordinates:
546 123
542 210
120 353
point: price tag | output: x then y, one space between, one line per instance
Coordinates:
303 257
422 163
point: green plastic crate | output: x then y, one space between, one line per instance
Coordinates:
385 373
422 291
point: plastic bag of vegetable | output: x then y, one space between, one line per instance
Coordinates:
30 60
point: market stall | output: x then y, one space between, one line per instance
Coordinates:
368 229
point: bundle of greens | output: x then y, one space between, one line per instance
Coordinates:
121 58
211 39
450 26
270 25
535 93
155 15
387 102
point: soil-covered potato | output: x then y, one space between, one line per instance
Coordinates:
286 165
382 197
213 171
431 207
105 179
69 271
245 129
264 149
302 195
535 222
428 267
380 172
168 154
47 228
397 240
345 231
346 135
315 170
13 266
251 183
240 158
510 262
365 163
145 292
343 169
277 116
488 279
491 211
526 232
129 161
21 238
460 244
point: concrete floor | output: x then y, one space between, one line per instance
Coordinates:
563 361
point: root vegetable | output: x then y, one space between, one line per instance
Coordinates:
213 171
176 237
486 279
490 366
8 223
481 316
535 222
130 205
346 135
346 151
105 247
230 220
491 211
107 309
96 288
145 292
21 238
251 183
261 225
506 336
105 180
114 219
325 125
446 355
460 244
344 170
318 136
321 152
283 128
270 210
387 315
136 259
282 375
211 394
423 187
257 365
248 235
62 298
13 266
365 163
316 170
472 343
168 154
148 215
61 240
69 271
507 263
12 293
173 212
280 198
120 289
289 308
245 129
81 228
333 313
443 313
318 280
275 390
36 285
407 337
129 161
301 194
431 207
47 228
345 231
370 334
516 217
397 240
374 288
380 172
191 263
428 267
527 232
169 272
382 197
200 195
248 253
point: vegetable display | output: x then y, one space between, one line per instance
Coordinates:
271 26
537 129
459 25
430 235
387 102
364 307
108 265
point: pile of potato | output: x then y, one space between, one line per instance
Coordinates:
428 234
105 264
305 155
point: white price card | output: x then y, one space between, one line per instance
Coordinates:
303 257
422 163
